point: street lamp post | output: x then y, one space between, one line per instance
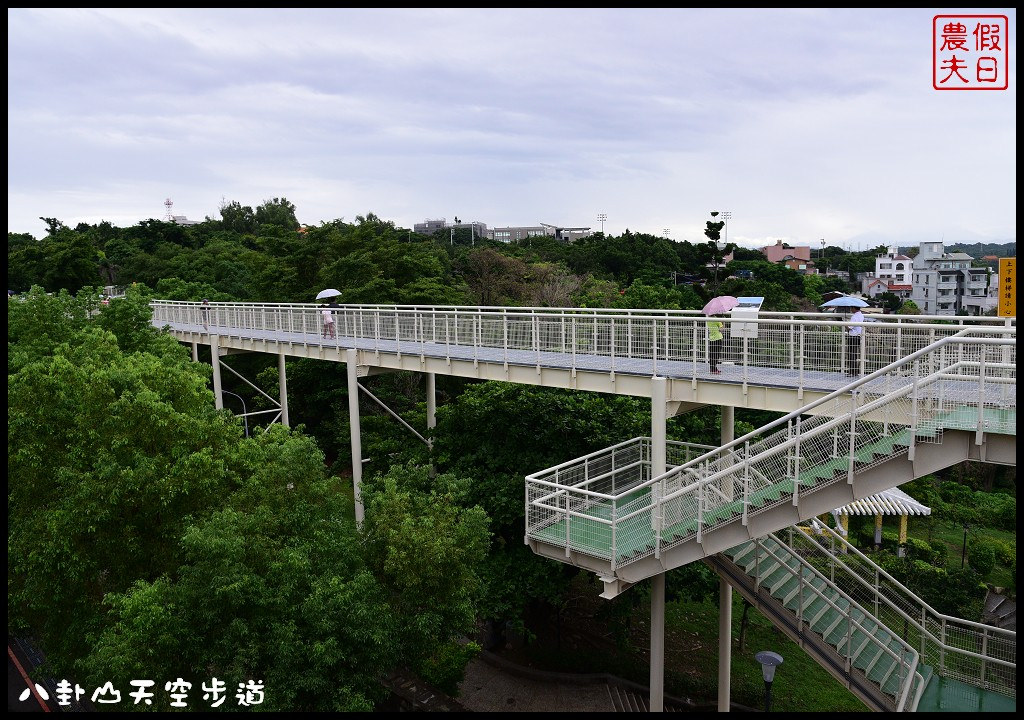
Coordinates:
601 217
725 218
245 412
769 661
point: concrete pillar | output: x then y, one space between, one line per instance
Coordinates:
659 461
724 643
728 434
659 412
195 352
282 383
218 394
844 520
878 530
431 406
657 700
353 421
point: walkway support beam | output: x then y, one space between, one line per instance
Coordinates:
431 407
728 434
282 383
218 391
659 415
353 421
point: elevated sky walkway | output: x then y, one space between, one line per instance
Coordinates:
614 514
781 363
910 396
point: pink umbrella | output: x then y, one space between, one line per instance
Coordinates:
719 305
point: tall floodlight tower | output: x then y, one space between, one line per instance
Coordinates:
169 204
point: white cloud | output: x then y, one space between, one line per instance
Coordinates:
805 124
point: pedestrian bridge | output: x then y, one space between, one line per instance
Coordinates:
779 362
915 394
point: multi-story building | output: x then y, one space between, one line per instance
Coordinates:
506 234
795 258
892 274
946 284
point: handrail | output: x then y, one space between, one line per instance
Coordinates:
844 391
907 681
986 631
815 317
980 626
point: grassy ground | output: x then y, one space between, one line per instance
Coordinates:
586 643
953 536
800 684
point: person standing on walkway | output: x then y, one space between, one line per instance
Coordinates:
328 315
205 309
714 344
853 339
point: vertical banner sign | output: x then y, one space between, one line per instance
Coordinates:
1008 287
970 52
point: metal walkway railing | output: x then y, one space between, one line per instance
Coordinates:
885 636
778 349
885 414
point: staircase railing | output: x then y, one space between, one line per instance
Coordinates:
974 653
972 386
811 452
907 660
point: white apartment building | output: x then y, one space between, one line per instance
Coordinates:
892 274
946 284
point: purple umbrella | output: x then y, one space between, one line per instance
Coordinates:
720 305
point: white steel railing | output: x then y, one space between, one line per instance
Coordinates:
980 655
648 342
973 387
905 661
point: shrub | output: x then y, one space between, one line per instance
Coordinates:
981 555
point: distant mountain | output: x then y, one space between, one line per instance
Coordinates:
976 250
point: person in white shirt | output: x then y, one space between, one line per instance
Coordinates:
853 339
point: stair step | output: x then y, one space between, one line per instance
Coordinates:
740 551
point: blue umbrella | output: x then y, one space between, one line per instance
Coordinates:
845 301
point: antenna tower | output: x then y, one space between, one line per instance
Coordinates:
169 204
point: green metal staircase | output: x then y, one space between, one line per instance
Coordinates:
609 513
876 665
870 632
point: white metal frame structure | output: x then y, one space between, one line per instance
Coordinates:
924 382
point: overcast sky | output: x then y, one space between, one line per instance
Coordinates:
803 124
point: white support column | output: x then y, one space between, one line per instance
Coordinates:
218 394
658 466
724 643
431 417
353 420
659 407
195 352
282 382
657 701
431 406
728 434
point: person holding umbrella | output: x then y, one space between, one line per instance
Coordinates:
327 310
328 316
714 344
717 307
853 336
